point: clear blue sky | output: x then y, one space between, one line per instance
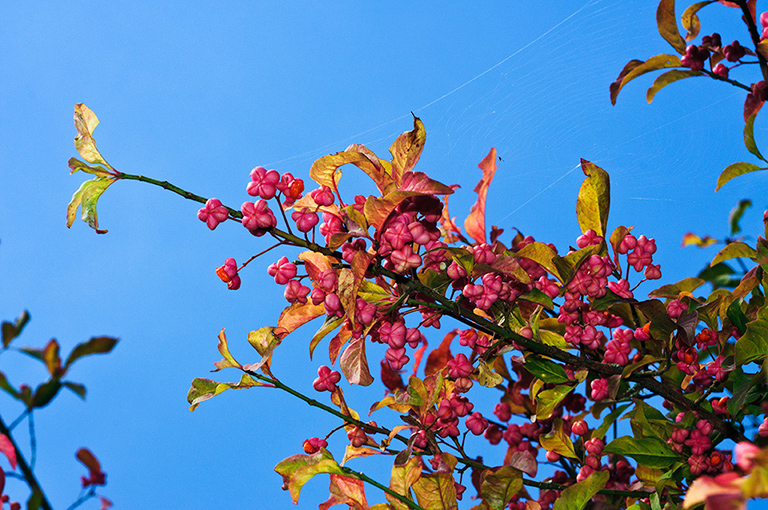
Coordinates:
199 93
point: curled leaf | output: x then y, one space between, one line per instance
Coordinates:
204 389
667 24
594 200
665 79
406 150
354 363
635 68
474 225
85 122
86 198
690 19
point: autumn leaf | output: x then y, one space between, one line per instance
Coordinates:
85 122
474 225
229 360
204 389
403 478
297 315
594 200
346 490
406 150
86 198
500 486
299 469
439 357
354 364
7 449
667 24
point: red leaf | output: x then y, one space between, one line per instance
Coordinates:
419 181
7 448
372 166
439 357
751 106
475 222
451 231
105 503
392 380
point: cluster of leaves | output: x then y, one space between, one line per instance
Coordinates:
562 336
37 398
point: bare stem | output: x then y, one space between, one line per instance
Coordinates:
25 469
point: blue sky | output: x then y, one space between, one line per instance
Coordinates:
198 95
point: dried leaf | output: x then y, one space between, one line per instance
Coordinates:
354 363
406 150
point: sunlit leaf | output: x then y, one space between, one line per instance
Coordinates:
665 79
609 420
299 469
673 290
325 171
636 68
702 242
546 370
86 198
667 23
690 19
646 360
541 254
406 150
346 490
315 263
749 137
229 360
96 345
7 449
354 452
735 170
85 122
594 200
264 341
734 250
436 491
648 451
354 364
577 496
403 478
330 324
558 441
753 344
11 330
421 182
75 165
488 378
474 225
548 400
523 461
500 486
296 316
378 170
736 214
203 389
377 210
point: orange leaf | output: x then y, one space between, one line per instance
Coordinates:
229 360
346 490
406 150
378 170
297 315
439 357
475 222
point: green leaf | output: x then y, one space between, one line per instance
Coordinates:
436 491
6 386
691 21
577 496
548 400
753 344
488 378
541 254
734 250
735 313
403 478
736 214
558 441
86 197
749 137
735 170
46 392
665 79
667 23
594 200
547 371
568 265
12 330
203 389
330 324
719 275
609 420
500 486
76 388
299 469
648 451
96 345
673 290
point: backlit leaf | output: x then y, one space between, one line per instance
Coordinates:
500 486
548 400
577 496
325 171
378 170
86 198
354 364
11 330
330 324
85 122
229 360
96 345
690 19
421 182
377 210
439 357
264 341
436 491
702 242
594 200
296 316
474 225
406 150
487 377
523 461
75 165
665 79
735 170
558 441
299 469
203 389
636 68
753 344
648 451
346 490
546 370
667 23
673 290
734 250
7 449
403 478
541 254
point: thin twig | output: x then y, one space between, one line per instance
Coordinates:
25 469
